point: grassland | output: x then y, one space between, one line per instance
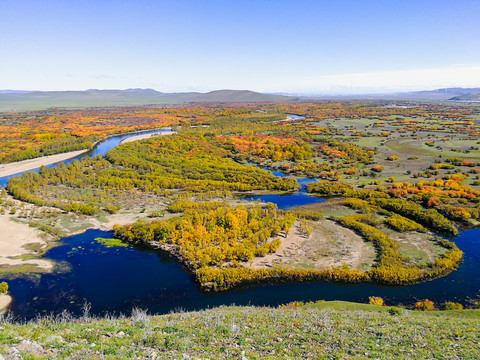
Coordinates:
325 330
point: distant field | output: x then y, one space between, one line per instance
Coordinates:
35 101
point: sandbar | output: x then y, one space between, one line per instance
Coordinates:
147 136
30 164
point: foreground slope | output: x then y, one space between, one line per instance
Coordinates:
326 330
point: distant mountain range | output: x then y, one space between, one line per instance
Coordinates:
452 94
17 100
20 100
470 97
445 94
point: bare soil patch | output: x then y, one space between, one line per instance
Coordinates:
15 239
5 301
329 245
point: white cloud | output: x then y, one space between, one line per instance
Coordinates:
388 81
355 83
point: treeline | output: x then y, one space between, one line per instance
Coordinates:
388 270
57 146
190 162
239 124
349 153
401 224
212 240
213 237
29 135
183 162
387 249
202 206
430 218
223 279
258 148
330 188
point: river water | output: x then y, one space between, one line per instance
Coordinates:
114 280
99 149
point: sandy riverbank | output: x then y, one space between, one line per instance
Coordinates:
13 239
30 164
147 136
5 301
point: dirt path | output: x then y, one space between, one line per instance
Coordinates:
289 244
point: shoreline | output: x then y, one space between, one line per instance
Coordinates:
30 164
147 136
17 167
23 246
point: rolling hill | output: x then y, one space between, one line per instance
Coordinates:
41 100
440 94
445 94
472 96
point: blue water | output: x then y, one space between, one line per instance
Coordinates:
116 279
286 201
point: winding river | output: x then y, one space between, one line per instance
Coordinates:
114 280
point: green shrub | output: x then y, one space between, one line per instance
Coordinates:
330 188
3 287
451 306
154 214
111 209
401 224
394 311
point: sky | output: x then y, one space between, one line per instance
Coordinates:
281 46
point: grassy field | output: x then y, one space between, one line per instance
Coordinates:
325 330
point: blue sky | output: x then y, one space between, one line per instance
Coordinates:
336 46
